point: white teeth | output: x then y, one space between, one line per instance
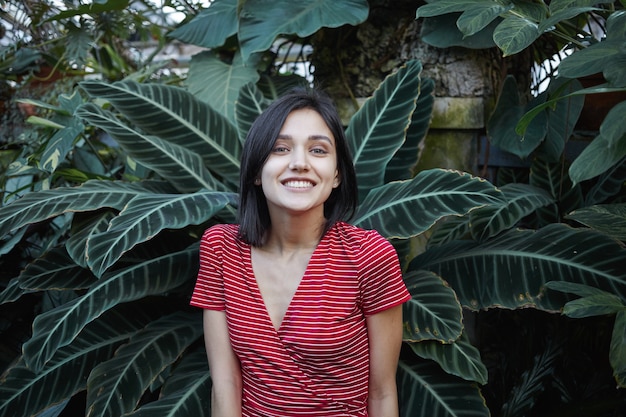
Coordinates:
298 184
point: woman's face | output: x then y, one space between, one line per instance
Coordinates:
301 170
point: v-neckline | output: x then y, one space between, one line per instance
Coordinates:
302 282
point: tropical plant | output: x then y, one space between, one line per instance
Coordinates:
77 37
46 49
117 276
519 126
537 132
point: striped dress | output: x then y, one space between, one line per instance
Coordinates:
316 363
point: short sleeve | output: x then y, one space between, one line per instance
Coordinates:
382 286
208 292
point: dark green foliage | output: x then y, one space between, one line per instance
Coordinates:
113 252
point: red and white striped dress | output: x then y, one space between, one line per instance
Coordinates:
317 363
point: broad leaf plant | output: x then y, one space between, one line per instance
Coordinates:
119 271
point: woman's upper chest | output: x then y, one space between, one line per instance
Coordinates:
312 301
278 279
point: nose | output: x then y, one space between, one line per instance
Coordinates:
299 160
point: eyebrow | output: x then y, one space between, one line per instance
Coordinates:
312 138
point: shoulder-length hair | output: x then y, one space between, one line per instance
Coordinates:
253 213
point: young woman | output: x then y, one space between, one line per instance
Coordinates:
302 311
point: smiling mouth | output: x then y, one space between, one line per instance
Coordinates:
298 184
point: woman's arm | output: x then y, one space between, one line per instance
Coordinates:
224 366
385 339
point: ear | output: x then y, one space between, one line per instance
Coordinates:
337 180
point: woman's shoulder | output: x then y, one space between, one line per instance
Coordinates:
367 247
222 232
350 233
348 228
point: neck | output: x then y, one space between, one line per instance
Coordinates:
295 234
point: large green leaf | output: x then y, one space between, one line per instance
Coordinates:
515 34
24 392
592 301
78 43
615 70
595 305
378 128
561 12
478 17
607 185
510 270
581 290
509 110
59 326
553 178
211 27
615 23
459 358
174 163
448 229
249 106
519 201
184 393
607 218
62 142
84 226
12 291
433 313
524 121
55 270
145 216
217 83
92 195
403 209
403 162
115 387
424 390
11 240
562 5
561 118
176 116
442 32
440 7
593 59
606 150
260 22
535 11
